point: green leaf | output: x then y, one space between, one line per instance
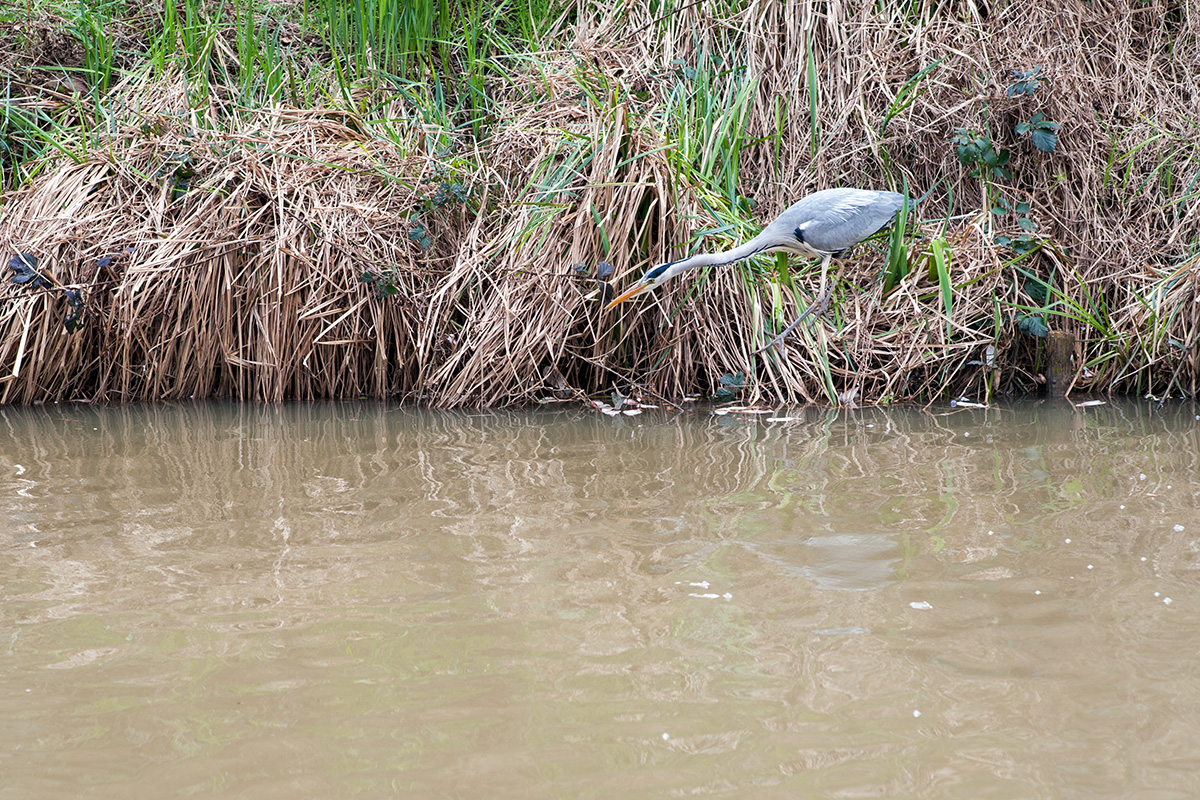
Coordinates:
729 385
1027 224
1032 325
1023 128
735 380
1025 244
1044 140
1023 207
941 260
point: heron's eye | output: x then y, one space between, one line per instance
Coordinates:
655 273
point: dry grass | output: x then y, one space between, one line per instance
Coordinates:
249 284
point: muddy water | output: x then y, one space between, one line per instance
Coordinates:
358 600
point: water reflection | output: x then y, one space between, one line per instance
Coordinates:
327 599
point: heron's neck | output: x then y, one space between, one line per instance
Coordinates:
724 257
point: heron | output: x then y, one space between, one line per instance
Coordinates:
822 225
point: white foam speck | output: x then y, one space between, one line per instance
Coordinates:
1090 566
1178 528
666 736
920 604
1167 601
916 712
1068 541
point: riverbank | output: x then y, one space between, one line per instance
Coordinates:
274 202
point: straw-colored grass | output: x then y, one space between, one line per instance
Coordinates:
627 137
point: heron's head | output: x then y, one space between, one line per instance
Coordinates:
653 278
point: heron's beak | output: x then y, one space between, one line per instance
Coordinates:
637 289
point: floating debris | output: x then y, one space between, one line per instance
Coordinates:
920 604
720 412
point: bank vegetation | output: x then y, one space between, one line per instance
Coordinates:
423 200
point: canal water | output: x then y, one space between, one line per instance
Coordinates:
360 600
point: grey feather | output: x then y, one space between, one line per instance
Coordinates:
834 219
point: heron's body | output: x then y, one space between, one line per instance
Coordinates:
821 225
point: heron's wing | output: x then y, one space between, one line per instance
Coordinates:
835 219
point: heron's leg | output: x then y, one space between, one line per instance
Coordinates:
819 304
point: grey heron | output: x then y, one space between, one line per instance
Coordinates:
822 225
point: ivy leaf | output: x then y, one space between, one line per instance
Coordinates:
1044 139
73 321
25 265
729 385
1032 325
